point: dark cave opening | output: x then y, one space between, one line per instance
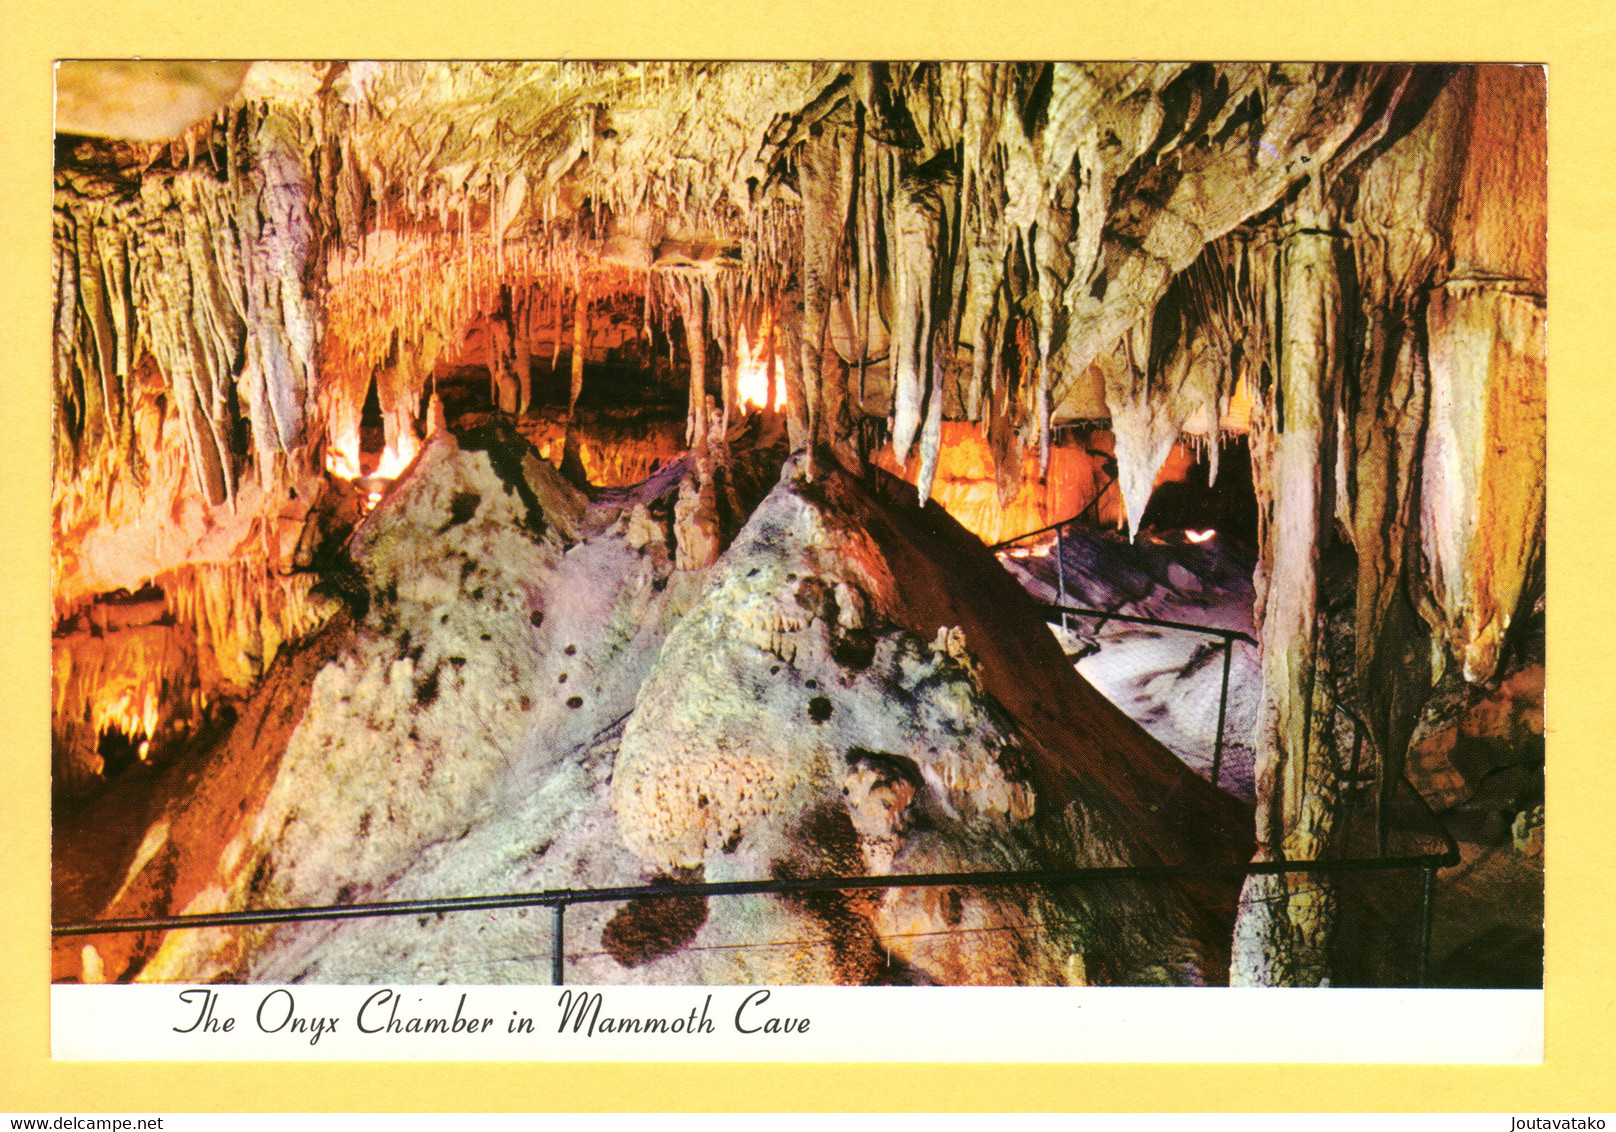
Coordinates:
120 752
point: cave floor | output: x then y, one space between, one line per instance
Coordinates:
1167 680
1487 925
1486 918
94 839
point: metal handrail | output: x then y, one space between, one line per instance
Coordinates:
1091 505
1187 626
558 899
1230 636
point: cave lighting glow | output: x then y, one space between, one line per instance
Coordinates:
132 714
752 377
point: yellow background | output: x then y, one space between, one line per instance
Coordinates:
1574 39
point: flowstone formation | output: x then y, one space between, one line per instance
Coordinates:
496 624
523 692
797 725
789 728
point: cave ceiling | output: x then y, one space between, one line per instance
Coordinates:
243 252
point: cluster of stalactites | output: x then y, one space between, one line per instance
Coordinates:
511 194
1032 217
243 613
428 233
515 147
1012 243
149 670
1441 468
1176 372
201 267
1400 402
404 298
140 681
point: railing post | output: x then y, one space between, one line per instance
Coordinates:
1348 796
1060 569
1223 705
558 953
1425 923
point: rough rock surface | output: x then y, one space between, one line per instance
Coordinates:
790 728
526 695
503 627
853 724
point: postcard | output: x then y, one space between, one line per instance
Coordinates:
895 560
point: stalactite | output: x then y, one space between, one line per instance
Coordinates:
771 367
1042 409
522 331
1040 178
276 236
982 178
502 363
96 360
867 244
1142 420
1003 440
730 374
693 313
1482 484
67 416
823 176
1483 489
788 342
1401 210
918 233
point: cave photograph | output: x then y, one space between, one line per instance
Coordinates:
874 523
